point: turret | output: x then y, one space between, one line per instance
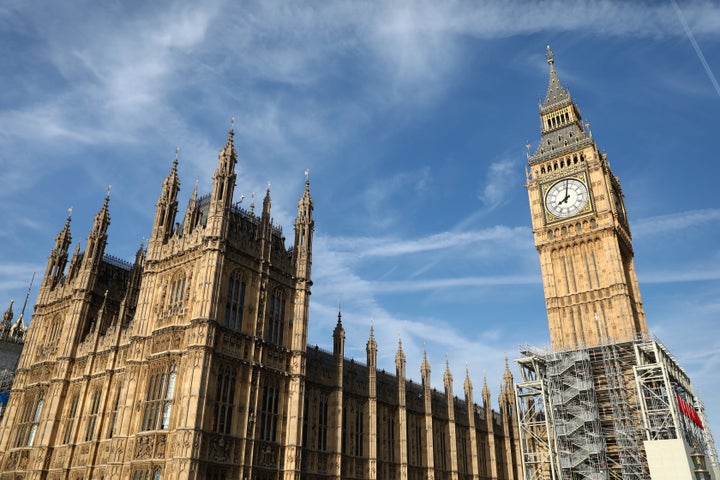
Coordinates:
486 395
58 256
371 349
192 213
97 239
6 322
304 228
222 189
425 371
339 339
400 362
167 204
448 379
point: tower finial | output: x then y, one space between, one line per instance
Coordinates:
232 124
107 196
550 55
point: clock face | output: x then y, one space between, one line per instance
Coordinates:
566 198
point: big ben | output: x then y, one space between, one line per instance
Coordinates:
581 231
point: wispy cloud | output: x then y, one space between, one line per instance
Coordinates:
502 178
662 224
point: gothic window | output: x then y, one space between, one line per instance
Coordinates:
235 301
269 412
390 425
113 415
224 396
159 399
462 451
55 330
92 418
29 420
359 419
177 290
147 474
70 419
322 424
440 458
418 443
276 317
213 473
306 412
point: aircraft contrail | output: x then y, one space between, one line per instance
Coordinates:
695 45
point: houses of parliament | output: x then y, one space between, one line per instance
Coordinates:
192 361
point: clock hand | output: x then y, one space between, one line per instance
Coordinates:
567 186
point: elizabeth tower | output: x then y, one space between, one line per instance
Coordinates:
581 231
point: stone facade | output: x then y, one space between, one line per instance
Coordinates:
192 362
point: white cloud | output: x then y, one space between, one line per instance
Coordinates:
663 224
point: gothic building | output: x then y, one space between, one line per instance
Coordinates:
192 362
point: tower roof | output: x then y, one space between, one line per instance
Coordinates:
555 92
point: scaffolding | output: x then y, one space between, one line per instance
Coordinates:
589 413
536 435
580 444
628 462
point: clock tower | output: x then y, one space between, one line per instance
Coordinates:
581 231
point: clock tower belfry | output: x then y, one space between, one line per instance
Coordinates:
581 231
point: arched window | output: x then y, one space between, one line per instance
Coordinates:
269 411
29 420
276 317
224 399
159 399
235 301
92 418
177 290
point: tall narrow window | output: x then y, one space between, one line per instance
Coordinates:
177 290
92 418
322 424
70 420
276 317
35 421
269 413
235 301
224 396
29 419
113 415
158 401
359 424
390 439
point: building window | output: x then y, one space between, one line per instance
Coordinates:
113 415
359 419
269 409
224 397
235 301
147 474
177 290
390 438
29 420
322 424
92 418
158 401
276 318
70 420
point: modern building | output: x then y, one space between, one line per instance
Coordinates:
192 362
606 401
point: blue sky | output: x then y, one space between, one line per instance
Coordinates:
412 118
